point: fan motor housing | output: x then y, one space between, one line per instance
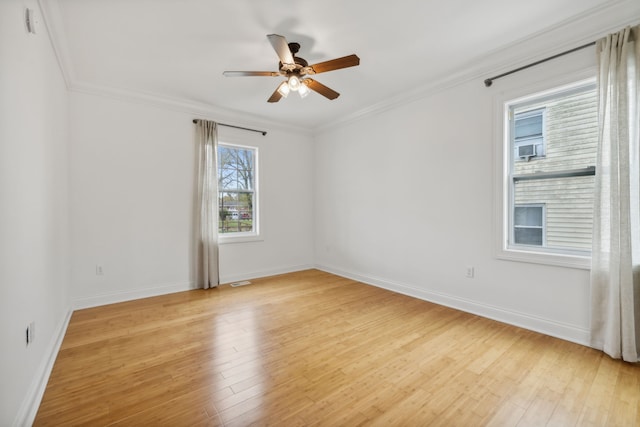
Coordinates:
299 62
294 47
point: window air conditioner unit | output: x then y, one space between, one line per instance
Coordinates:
527 151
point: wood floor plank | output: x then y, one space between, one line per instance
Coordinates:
508 414
314 349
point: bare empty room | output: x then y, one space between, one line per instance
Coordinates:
292 213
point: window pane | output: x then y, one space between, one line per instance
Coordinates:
228 178
236 212
528 216
528 236
245 169
571 133
235 169
568 209
528 127
224 156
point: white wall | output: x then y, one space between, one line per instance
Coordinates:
132 178
286 207
34 225
405 200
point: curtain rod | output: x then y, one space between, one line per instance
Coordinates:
263 132
489 82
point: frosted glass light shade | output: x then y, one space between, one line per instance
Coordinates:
284 89
303 91
294 83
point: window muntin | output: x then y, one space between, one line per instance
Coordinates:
561 182
237 198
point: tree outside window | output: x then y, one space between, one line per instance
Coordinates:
236 189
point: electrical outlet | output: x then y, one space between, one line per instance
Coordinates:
99 270
469 272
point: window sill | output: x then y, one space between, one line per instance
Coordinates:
582 262
239 238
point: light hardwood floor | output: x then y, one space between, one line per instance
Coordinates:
311 348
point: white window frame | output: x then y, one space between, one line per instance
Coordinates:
503 157
249 236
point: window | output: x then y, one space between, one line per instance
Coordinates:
528 225
549 155
237 201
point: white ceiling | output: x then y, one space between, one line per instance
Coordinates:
178 49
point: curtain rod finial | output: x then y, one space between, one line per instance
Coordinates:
488 82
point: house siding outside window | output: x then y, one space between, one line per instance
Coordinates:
570 143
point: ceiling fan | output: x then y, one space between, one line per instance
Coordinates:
297 70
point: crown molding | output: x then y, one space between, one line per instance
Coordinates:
50 10
610 16
197 109
586 27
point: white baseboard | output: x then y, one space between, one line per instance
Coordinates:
549 327
28 410
115 297
264 273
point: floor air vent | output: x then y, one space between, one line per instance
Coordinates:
243 283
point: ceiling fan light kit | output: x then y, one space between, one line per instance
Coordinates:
293 84
297 70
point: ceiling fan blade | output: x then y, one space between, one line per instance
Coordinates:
321 89
275 96
281 47
250 73
336 64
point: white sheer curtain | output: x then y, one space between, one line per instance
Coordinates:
206 214
615 269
